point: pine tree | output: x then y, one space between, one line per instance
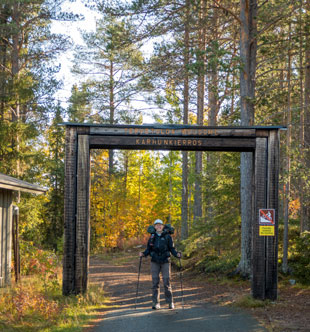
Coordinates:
27 81
113 65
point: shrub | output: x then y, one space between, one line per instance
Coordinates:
25 307
218 265
300 259
39 262
35 260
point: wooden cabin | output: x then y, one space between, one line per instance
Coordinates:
9 185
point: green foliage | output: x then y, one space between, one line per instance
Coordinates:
112 54
222 265
40 262
80 107
52 211
213 245
27 133
300 257
219 230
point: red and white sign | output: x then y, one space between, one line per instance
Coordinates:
266 216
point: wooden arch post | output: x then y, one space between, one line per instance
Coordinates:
262 142
76 214
265 248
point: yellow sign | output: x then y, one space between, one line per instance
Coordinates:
266 230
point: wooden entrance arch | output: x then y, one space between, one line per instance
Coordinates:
263 142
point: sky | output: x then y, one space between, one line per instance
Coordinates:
71 29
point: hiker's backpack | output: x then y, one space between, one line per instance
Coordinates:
168 229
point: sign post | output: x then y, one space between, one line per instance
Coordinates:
266 222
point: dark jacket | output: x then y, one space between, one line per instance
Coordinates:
160 247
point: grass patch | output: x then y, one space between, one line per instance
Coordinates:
35 306
119 257
249 302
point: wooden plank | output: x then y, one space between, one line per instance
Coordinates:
272 201
4 231
260 201
82 218
2 193
27 190
262 133
69 212
176 143
9 239
6 237
172 131
15 244
81 130
9 182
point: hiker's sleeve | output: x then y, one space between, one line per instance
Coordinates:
171 247
147 251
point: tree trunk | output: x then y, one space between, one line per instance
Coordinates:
4 15
184 217
112 111
288 160
213 109
213 77
15 61
248 50
126 166
306 206
170 186
302 113
15 78
200 105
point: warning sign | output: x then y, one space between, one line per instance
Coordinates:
266 230
266 216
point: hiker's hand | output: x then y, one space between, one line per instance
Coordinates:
141 254
179 254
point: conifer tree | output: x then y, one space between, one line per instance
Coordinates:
27 82
112 64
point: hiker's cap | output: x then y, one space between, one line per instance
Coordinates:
158 221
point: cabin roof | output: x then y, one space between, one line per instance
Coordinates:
11 183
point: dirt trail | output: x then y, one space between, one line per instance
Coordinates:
199 313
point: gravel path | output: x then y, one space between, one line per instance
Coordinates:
197 313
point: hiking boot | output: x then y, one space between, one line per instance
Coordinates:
156 306
171 306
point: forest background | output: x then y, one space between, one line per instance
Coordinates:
205 62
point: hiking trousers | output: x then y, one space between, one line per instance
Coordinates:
165 269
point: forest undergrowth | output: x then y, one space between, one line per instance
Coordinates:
36 302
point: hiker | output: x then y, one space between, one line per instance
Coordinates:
159 247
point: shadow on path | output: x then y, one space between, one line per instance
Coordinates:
196 314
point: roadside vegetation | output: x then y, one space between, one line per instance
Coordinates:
36 302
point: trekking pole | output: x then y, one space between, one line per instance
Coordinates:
181 283
138 282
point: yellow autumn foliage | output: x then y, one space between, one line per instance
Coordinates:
125 203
